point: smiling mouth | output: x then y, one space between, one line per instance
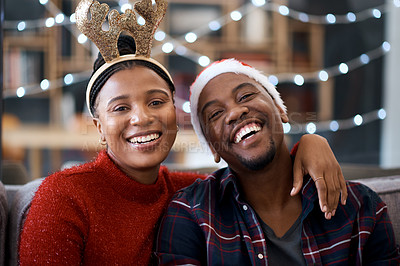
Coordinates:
246 132
144 139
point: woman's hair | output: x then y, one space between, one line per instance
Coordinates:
126 45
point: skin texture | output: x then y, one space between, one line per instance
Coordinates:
137 103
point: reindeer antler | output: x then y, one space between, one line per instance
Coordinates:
145 34
107 41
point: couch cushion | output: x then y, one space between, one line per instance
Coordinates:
14 173
17 215
11 190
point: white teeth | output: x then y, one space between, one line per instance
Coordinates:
246 130
144 139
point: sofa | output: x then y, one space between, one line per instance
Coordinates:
20 196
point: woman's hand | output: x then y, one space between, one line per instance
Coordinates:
315 157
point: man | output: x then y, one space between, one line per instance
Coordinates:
229 219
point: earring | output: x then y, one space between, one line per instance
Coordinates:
217 158
177 128
102 141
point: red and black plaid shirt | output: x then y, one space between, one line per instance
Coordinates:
209 223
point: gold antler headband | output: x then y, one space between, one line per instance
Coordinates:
107 41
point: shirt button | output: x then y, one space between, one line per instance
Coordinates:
260 256
245 207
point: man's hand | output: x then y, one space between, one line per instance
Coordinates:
315 157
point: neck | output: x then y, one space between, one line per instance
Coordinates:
269 189
268 192
146 176
143 176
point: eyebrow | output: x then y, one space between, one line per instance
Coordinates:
121 97
243 85
157 91
125 96
240 86
207 104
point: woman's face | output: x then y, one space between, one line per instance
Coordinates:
136 116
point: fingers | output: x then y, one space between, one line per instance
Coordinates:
322 194
328 193
297 178
329 189
343 188
333 189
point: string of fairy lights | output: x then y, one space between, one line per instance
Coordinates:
335 125
168 44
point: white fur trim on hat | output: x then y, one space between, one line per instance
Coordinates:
216 69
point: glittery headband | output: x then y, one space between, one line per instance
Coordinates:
107 41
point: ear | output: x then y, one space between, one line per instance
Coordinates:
217 158
282 113
98 125
173 99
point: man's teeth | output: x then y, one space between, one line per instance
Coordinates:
245 131
144 139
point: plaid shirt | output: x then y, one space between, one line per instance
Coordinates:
210 223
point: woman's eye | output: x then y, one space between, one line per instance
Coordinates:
154 103
120 108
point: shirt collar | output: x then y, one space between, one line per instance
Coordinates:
228 184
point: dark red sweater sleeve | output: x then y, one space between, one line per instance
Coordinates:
56 224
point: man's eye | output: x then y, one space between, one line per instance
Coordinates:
214 114
244 97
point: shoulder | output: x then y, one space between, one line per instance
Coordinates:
200 191
73 173
360 191
68 181
361 196
66 190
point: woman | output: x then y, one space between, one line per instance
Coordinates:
107 211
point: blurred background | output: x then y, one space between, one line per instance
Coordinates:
335 63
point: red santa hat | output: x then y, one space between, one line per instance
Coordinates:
218 68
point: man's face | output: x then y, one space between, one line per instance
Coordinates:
240 122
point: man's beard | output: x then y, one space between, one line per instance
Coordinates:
261 162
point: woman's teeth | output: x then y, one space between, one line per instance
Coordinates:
144 139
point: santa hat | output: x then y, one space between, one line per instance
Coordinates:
216 69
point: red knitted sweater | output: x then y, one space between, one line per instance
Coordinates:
95 214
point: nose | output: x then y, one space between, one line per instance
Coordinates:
141 117
235 114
